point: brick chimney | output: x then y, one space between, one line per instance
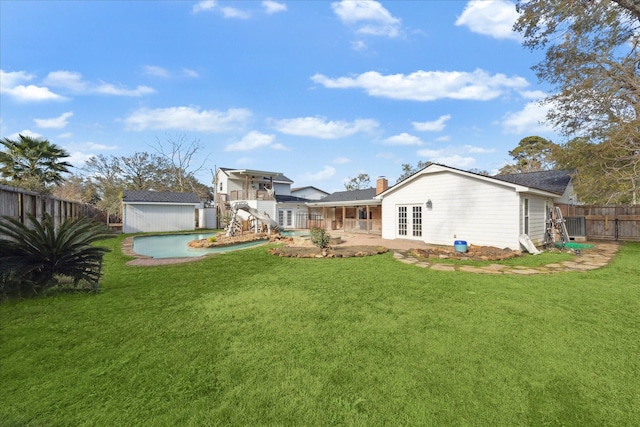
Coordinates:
381 185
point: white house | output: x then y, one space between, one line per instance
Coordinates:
441 204
267 191
309 192
146 211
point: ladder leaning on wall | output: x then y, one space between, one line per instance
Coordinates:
556 223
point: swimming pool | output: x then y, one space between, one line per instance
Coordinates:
175 245
298 233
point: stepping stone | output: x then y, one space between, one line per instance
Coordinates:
443 267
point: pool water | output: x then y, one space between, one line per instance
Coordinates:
175 245
298 233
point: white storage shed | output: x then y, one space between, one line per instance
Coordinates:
149 211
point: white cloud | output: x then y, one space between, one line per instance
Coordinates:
318 127
326 173
78 158
55 123
204 5
428 85
528 120
368 17
232 12
154 70
533 94
190 73
73 82
11 84
157 71
478 150
433 126
493 18
26 132
446 158
255 140
403 139
95 146
187 119
271 7
341 160
226 11
457 157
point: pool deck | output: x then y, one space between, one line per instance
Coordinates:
590 259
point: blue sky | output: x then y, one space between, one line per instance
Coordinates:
318 90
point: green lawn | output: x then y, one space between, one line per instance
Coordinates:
248 339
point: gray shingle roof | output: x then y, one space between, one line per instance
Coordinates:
285 198
158 197
554 181
350 196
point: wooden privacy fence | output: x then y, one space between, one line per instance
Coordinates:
606 222
18 203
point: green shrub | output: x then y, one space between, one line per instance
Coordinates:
211 239
38 256
320 237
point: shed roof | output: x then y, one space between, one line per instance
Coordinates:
143 196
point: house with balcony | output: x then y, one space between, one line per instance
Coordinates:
267 191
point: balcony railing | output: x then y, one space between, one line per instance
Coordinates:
251 195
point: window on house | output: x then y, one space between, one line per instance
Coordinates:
289 219
402 220
221 186
417 221
281 218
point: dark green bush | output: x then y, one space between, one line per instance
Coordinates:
38 256
320 237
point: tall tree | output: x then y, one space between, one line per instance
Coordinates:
359 182
179 156
32 163
592 59
533 153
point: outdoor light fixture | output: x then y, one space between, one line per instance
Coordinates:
429 204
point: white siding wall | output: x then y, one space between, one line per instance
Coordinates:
150 217
537 217
282 189
464 208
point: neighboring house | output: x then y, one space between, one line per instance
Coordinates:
146 211
354 210
268 192
441 204
309 192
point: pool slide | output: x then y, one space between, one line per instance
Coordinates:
264 218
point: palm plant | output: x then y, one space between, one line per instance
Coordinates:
37 256
32 161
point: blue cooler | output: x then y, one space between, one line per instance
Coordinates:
460 246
